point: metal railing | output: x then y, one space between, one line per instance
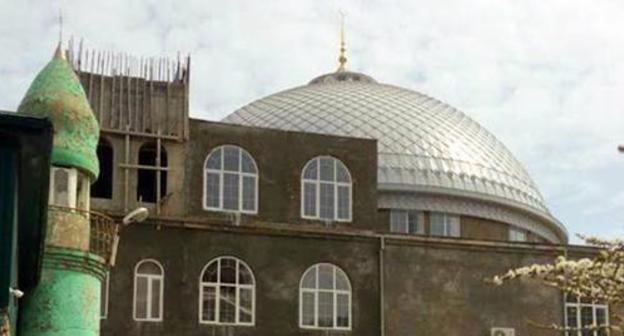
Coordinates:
103 236
103 231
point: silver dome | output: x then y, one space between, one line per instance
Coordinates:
424 144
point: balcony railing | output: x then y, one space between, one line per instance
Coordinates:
103 231
102 236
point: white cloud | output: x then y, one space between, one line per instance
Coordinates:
546 77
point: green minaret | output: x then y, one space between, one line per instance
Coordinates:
67 300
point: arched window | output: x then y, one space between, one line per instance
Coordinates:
103 187
148 291
230 180
326 190
227 293
325 298
148 177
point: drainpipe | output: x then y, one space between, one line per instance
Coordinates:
382 314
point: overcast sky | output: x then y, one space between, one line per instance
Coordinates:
545 77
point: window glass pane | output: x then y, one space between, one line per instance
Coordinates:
230 191
141 298
437 225
309 280
571 317
341 173
311 170
453 226
245 309
231 158
61 187
342 314
327 201
212 190
228 270
209 303
344 202
307 309
309 199
587 318
148 267
249 193
244 275
342 283
214 161
327 169
325 309
517 235
415 223
227 304
210 274
247 164
326 276
398 221
601 320
156 283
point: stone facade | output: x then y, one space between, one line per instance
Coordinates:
431 285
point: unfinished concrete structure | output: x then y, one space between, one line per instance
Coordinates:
429 206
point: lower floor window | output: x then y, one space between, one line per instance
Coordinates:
585 317
325 298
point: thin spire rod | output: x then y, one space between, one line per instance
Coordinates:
59 53
342 59
60 23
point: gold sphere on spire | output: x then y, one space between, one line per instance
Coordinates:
342 59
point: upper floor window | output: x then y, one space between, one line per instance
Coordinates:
326 190
325 298
404 221
152 173
443 224
148 291
69 188
580 313
517 235
227 293
103 186
230 180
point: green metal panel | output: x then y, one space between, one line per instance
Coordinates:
56 93
67 300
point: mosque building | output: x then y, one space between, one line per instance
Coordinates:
344 206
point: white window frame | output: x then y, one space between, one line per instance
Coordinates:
240 175
317 290
73 194
217 288
579 305
72 182
447 224
150 279
335 184
104 298
517 235
420 218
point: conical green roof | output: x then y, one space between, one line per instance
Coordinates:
56 93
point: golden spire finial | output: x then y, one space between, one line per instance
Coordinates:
342 59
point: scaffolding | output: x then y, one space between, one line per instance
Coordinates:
138 99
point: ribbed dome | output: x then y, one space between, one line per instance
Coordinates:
423 143
56 93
